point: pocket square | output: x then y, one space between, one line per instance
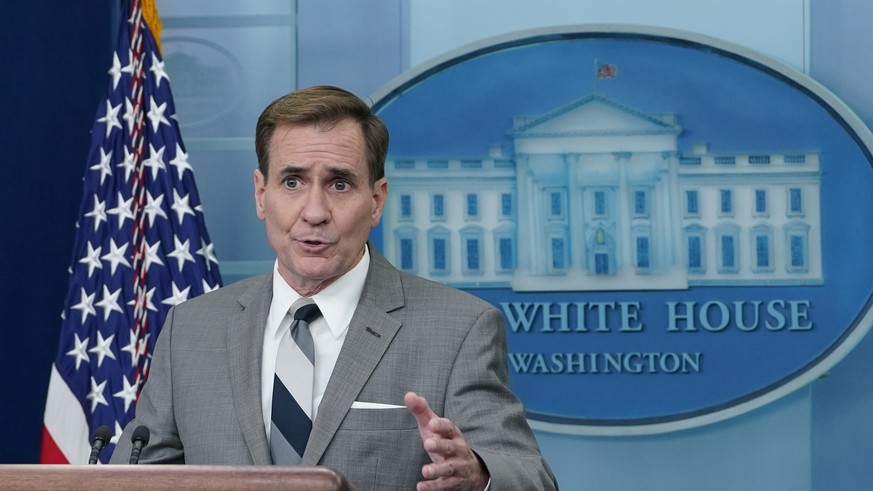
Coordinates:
374 405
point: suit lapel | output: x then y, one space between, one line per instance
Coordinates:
370 333
245 339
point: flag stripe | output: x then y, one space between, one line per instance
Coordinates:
65 425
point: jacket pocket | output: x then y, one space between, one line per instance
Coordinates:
379 419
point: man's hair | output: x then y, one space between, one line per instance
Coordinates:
325 107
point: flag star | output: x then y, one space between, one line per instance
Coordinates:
156 114
178 296
130 347
182 252
180 206
86 305
206 250
158 69
115 71
143 350
128 164
123 210
180 161
103 166
128 393
116 255
153 207
111 117
207 287
96 394
109 304
129 68
103 348
130 115
155 161
92 259
98 212
79 351
117 435
148 300
149 296
152 255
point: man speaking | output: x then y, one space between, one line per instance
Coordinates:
335 357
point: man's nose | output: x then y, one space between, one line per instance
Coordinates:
316 209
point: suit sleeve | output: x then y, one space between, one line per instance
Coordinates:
154 409
480 402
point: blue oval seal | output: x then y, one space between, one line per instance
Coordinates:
673 226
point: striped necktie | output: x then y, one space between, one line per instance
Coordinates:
292 387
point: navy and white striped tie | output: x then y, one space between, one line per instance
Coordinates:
292 387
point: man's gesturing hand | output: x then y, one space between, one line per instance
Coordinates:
454 465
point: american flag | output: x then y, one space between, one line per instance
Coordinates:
604 70
141 247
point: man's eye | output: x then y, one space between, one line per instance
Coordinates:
290 182
341 186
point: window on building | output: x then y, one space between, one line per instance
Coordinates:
601 263
728 252
472 205
726 202
599 203
438 209
641 203
506 205
642 253
440 255
760 201
795 201
405 207
798 252
406 247
762 251
558 253
472 253
505 251
691 203
555 204
695 250
407 255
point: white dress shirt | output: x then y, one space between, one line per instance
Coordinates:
337 304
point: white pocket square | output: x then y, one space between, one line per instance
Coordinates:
374 405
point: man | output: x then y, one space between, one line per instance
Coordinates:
410 379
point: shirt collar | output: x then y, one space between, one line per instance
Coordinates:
337 302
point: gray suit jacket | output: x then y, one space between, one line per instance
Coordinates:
202 401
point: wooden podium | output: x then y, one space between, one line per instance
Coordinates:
171 477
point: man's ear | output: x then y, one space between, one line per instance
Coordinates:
380 195
260 189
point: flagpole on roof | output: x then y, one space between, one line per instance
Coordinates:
596 63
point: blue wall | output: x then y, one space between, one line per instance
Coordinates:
54 57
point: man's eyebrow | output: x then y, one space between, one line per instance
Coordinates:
334 171
289 169
342 172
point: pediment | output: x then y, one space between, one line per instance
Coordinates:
594 115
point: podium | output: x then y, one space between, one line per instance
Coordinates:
171 477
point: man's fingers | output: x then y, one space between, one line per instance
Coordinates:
445 448
435 471
443 427
419 408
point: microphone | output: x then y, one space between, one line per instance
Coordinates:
99 442
140 439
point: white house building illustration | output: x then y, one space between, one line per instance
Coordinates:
596 195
